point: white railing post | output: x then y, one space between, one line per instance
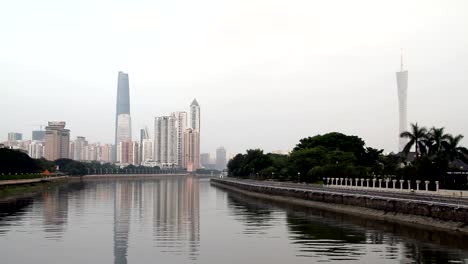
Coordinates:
373 182
394 184
427 185
417 184
401 184
437 186
409 185
380 183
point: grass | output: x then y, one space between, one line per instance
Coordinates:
20 177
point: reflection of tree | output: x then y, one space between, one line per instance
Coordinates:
305 229
11 212
252 213
429 253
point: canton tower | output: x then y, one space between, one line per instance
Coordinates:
402 84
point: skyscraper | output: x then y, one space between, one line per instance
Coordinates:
402 84
220 158
164 150
180 127
192 149
195 126
195 115
57 141
123 124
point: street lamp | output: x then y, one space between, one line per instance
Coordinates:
298 177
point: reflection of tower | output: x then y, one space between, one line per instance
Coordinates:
177 216
402 84
122 208
55 211
123 125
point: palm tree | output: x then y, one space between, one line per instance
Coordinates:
435 140
454 150
416 137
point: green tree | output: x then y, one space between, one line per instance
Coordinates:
435 140
416 137
454 150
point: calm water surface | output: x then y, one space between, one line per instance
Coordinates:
185 220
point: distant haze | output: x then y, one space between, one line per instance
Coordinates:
265 72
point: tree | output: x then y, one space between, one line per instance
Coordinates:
416 137
454 150
435 140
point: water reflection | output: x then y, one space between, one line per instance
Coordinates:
159 219
174 206
333 237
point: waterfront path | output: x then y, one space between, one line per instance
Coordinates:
426 198
29 181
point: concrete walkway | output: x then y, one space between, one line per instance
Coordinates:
28 181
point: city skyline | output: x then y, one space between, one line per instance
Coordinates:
314 76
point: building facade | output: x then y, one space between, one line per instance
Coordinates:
192 149
164 150
57 141
36 149
180 122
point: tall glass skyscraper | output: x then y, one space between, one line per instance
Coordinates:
402 84
123 124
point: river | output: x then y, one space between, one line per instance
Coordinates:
186 220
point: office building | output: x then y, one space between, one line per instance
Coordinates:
123 123
195 115
38 135
57 141
13 137
221 158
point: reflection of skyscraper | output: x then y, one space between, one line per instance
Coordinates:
177 215
402 84
122 209
123 124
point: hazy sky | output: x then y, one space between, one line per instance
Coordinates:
265 72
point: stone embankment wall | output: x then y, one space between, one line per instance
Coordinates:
428 209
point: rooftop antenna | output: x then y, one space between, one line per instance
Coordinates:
401 60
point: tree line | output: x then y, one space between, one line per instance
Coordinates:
16 161
339 155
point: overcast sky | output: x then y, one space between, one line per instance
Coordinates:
265 72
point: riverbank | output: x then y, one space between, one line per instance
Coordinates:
14 195
356 205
